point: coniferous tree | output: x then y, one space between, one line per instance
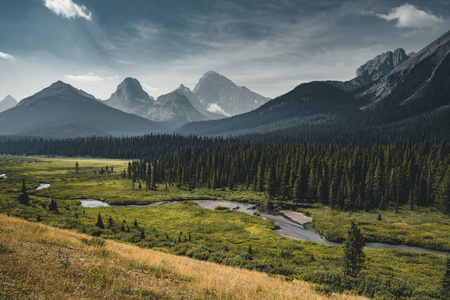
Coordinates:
99 222
271 183
76 167
110 222
353 251
53 205
23 197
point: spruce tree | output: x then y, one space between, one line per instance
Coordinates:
77 167
271 183
23 197
99 222
353 251
53 206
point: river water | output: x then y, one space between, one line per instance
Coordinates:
307 232
42 186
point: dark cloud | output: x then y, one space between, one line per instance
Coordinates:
269 46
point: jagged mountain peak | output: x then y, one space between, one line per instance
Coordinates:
184 88
130 97
131 88
218 94
419 84
373 70
382 64
130 83
213 78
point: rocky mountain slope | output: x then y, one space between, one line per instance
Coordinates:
373 70
131 98
420 84
185 91
217 94
174 109
309 104
413 94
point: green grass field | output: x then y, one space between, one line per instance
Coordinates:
226 237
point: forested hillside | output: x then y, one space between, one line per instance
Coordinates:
344 177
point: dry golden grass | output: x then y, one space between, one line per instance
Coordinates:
41 262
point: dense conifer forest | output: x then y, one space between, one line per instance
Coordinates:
343 177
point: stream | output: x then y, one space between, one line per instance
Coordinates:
42 186
307 232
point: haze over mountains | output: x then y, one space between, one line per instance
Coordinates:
391 92
402 94
7 103
64 111
214 97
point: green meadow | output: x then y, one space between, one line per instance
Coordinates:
228 237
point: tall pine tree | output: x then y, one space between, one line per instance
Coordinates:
353 251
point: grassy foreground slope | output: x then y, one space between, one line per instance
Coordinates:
42 262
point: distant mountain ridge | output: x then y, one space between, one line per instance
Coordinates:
7 103
313 103
217 94
373 70
420 84
183 90
214 97
174 109
392 93
130 97
61 110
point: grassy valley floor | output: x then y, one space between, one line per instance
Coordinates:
226 237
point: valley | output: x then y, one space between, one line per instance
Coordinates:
223 236
225 150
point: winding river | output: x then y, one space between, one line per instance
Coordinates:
308 232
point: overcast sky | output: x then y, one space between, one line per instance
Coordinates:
269 46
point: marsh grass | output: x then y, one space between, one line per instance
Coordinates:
30 267
422 227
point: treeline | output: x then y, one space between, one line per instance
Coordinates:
147 147
344 177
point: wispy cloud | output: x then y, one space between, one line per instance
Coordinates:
6 56
89 78
409 16
68 9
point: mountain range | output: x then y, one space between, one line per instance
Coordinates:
392 93
174 109
373 70
64 111
214 97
